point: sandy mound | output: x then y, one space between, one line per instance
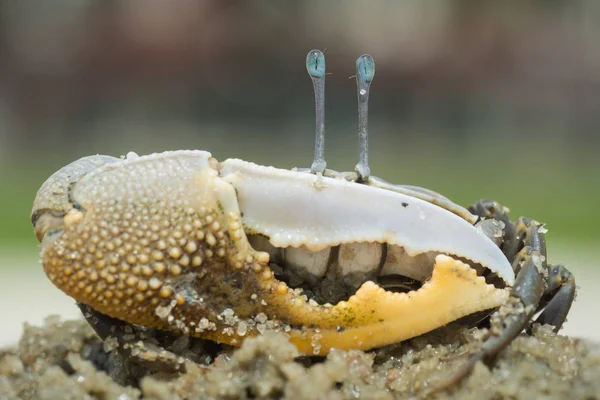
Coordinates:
65 360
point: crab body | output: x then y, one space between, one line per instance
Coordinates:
183 243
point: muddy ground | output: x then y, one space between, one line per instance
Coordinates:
65 360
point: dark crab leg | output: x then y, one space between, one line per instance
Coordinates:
558 297
130 342
492 209
531 291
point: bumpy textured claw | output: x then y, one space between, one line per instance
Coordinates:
53 199
160 241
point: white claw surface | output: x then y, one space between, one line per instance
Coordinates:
300 209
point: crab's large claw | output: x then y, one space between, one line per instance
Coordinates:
161 241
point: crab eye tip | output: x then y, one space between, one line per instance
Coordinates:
365 67
315 63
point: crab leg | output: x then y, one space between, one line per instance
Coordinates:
492 209
527 296
558 297
129 343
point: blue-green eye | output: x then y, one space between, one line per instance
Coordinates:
315 63
365 67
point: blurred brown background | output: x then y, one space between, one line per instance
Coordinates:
471 98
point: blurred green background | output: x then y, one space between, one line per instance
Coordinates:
474 99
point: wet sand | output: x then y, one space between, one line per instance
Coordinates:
66 360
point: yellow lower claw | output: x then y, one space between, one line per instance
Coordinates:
374 317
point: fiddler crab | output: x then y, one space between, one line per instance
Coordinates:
182 243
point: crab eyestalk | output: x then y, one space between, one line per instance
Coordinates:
365 70
315 65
